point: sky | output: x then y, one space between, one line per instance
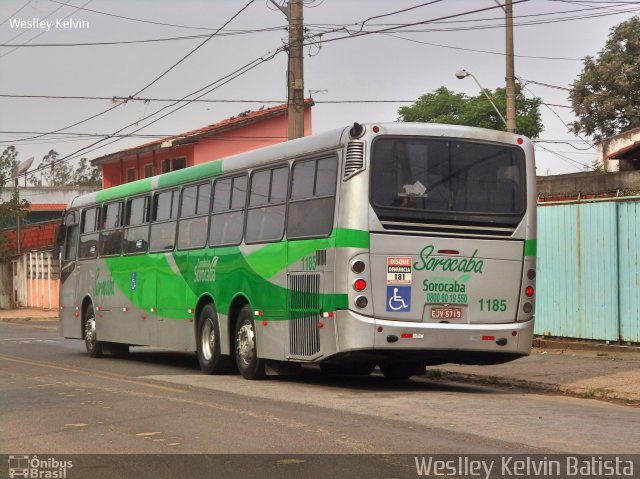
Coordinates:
363 78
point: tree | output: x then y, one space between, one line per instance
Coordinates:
13 208
87 175
606 95
8 163
446 106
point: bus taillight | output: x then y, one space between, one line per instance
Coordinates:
360 284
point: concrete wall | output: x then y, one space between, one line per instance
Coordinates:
628 182
47 194
6 291
607 148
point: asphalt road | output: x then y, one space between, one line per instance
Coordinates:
56 400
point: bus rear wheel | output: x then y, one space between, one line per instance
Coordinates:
211 360
246 351
94 347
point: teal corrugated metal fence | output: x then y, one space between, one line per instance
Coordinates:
588 284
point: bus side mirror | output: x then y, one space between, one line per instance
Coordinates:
61 233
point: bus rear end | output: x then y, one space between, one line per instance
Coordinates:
449 274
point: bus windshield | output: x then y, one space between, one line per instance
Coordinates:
447 180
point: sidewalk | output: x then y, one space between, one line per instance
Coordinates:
28 314
610 374
575 369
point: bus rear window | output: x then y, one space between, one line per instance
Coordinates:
420 179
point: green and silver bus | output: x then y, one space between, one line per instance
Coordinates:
397 245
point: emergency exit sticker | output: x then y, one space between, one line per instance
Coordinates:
398 270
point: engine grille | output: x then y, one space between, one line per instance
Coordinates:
304 305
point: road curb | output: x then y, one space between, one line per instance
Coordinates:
603 394
575 345
29 320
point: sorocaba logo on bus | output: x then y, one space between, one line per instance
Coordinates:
464 265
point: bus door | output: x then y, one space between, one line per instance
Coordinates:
309 226
70 314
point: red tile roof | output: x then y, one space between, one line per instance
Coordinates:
245 118
47 206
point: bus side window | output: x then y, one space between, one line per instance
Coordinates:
136 230
194 216
267 205
312 199
111 234
89 226
227 211
163 221
71 241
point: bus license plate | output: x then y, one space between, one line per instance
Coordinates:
446 313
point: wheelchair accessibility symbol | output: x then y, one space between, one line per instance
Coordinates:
399 299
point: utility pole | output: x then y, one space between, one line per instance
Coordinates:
511 76
295 72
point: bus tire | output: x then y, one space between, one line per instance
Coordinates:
211 360
401 371
246 351
94 347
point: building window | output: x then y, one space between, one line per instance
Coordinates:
131 175
173 164
148 170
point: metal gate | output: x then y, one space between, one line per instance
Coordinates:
589 271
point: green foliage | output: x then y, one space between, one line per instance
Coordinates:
606 95
87 175
13 208
8 164
446 106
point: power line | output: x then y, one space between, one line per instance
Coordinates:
41 33
149 40
205 100
16 12
477 51
140 20
575 164
154 80
209 88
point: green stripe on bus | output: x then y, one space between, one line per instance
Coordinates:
348 238
530 247
193 173
270 259
127 189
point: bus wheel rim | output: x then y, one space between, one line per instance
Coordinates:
208 339
246 343
90 330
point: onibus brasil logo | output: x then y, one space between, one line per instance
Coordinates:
36 468
464 265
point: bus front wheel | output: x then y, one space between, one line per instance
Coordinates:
249 364
94 347
208 344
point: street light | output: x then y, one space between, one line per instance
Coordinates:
460 74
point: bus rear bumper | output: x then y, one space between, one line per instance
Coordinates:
436 343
